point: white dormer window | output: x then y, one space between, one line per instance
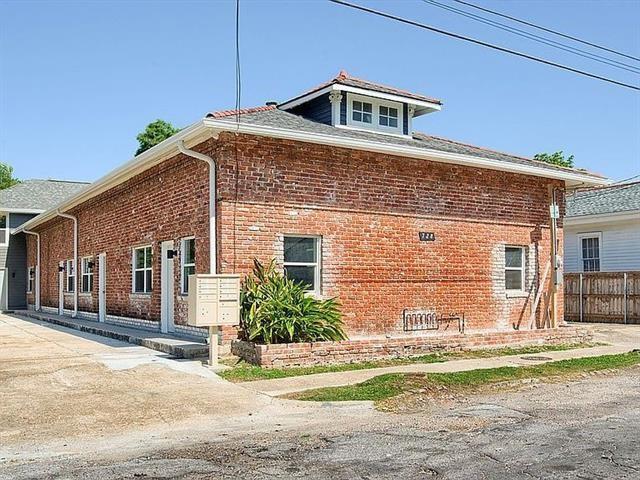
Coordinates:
388 116
374 114
362 112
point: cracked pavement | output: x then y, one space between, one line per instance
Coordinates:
74 408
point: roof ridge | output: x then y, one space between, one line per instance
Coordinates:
344 75
59 180
241 111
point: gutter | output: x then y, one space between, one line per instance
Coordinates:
406 151
208 128
75 260
213 252
37 235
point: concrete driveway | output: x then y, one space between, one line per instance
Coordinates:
76 406
63 391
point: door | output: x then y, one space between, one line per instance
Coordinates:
102 287
61 288
166 287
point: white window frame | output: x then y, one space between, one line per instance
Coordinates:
6 229
31 280
184 264
586 235
317 277
83 262
376 103
70 272
522 269
147 289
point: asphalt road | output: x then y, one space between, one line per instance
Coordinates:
71 408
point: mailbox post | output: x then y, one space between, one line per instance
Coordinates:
214 301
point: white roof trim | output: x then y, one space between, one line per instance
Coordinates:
192 135
21 210
570 177
603 218
209 128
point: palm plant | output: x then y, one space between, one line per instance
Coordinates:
276 309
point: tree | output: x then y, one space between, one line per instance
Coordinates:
556 158
155 133
6 176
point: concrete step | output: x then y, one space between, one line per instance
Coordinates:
170 344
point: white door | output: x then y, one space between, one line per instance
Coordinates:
102 287
166 287
61 288
3 289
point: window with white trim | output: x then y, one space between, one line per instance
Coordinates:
514 266
188 261
31 279
388 116
361 112
4 228
71 275
374 114
142 269
87 275
302 261
590 251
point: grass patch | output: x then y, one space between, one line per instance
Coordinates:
387 386
246 372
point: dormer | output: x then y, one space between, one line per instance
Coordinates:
353 103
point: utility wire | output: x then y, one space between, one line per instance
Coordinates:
537 38
480 42
238 75
548 30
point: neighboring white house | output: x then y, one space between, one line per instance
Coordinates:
602 229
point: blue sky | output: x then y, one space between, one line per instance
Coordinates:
79 80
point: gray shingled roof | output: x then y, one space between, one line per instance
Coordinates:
615 199
273 117
38 194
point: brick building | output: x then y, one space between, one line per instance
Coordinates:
333 184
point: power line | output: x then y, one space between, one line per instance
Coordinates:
537 38
238 74
548 30
480 42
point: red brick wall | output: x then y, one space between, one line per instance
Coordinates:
367 207
363 350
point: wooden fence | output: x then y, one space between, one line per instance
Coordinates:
611 297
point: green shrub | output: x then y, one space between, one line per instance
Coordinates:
276 309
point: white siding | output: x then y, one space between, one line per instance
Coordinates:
619 247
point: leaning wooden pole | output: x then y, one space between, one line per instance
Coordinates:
553 284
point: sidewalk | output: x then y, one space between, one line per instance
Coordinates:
176 346
282 386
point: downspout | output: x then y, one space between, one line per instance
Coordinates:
212 201
37 235
75 259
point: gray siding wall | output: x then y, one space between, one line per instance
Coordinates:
14 259
16 265
318 109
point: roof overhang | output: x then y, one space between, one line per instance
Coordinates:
33 211
613 217
210 128
421 106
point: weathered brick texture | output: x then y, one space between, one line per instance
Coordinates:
362 350
368 208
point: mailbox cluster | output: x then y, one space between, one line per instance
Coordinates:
214 300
